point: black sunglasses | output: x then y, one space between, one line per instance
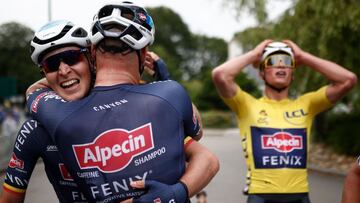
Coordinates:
70 57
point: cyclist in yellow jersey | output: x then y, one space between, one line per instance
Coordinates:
275 130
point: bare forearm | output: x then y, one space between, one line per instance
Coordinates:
230 69
8 197
332 71
225 74
202 167
42 83
351 189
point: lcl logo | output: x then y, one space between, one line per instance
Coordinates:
296 114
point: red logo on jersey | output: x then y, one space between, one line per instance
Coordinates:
65 173
15 162
114 149
281 142
35 103
157 200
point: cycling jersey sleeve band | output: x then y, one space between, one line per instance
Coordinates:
187 142
12 189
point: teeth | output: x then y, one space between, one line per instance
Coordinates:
69 83
281 73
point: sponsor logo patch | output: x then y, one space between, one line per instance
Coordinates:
281 142
114 149
279 148
64 172
15 162
35 103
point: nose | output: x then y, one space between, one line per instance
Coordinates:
281 63
64 68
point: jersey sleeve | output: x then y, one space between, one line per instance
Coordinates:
318 101
26 152
177 97
161 71
239 102
48 108
191 123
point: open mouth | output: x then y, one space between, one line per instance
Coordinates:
69 83
281 74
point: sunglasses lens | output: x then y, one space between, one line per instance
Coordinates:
279 60
52 63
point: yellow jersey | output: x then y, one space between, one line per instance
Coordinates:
275 139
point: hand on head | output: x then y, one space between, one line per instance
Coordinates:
150 58
258 51
298 52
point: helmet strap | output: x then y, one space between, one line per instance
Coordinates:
141 67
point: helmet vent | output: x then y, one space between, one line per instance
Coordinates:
79 33
62 33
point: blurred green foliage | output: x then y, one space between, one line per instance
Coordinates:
15 61
190 58
343 133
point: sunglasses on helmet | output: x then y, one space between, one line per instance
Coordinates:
70 57
279 60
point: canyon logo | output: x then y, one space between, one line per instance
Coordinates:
114 149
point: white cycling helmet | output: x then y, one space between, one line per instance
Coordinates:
137 27
276 47
54 35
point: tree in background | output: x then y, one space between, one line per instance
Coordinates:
190 57
15 61
173 41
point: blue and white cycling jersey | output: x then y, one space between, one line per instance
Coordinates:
119 134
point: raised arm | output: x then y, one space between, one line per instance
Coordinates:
42 83
351 188
341 80
224 75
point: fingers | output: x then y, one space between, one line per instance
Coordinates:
154 56
149 62
298 52
149 71
140 184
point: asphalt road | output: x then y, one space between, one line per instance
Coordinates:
227 185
